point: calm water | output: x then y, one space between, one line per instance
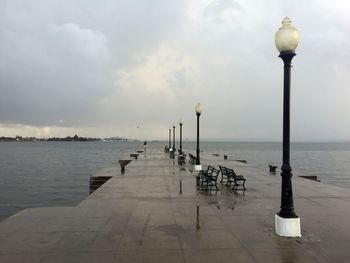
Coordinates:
38 174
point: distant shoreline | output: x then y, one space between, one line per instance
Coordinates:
77 138
74 138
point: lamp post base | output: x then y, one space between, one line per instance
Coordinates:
287 227
197 167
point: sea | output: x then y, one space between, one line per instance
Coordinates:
37 174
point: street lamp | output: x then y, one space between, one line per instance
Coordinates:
169 139
181 122
287 223
173 156
199 111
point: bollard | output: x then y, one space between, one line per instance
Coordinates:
123 163
180 187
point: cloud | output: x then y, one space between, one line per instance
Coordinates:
165 74
107 67
51 75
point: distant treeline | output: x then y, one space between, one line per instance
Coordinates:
33 139
75 138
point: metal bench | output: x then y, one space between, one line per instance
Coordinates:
203 173
193 159
181 159
231 177
272 168
210 178
223 174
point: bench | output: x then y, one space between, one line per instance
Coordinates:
166 149
223 174
210 177
181 159
193 159
203 173
231 177
272 168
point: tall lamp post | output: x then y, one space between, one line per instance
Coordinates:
287 223
181 122
199 111
173 156
169 139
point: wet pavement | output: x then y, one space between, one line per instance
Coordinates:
144 215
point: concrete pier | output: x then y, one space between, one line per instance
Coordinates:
141 216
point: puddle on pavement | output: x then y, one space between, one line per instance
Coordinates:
172 229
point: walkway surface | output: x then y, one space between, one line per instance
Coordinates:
142 217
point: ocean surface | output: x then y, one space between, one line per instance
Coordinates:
36 174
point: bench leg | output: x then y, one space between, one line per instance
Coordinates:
207 186
234 187
237 185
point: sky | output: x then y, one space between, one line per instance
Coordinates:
132 68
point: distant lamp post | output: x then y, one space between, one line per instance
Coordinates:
173 156
169 141
181 122
199 111
287 223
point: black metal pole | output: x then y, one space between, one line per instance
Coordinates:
287 206
174 142
169 138
197 150
180 151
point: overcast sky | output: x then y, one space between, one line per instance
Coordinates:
132 68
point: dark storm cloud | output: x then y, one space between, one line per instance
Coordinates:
106 67
58 57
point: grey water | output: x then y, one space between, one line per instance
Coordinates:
329 161
36 174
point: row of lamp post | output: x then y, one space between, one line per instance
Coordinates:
198 166
287 223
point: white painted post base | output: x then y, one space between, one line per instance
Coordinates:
287 227
197 167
